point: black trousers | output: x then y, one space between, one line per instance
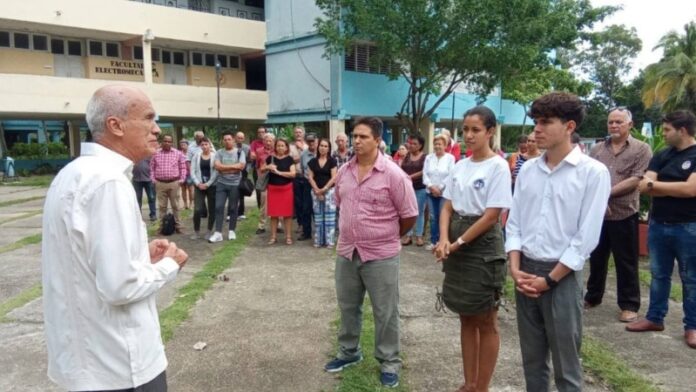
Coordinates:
255 176
302 197
157 384
619 238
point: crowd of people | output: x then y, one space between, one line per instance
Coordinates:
562 206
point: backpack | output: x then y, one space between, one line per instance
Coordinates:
168 224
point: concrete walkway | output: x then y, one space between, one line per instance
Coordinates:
270 327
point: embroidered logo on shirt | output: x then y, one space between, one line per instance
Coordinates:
686 165
479 184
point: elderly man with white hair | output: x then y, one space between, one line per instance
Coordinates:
100 275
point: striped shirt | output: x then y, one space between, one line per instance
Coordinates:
371 209
168 165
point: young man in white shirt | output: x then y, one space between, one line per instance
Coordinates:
100 275
554 223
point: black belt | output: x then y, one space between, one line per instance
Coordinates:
167 181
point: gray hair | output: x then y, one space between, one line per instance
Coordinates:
108 101
269 135
624 110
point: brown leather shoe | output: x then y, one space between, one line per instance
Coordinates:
644 325
690 337
588 305
628 316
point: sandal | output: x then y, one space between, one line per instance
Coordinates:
406 243
419 241
272 241
288 241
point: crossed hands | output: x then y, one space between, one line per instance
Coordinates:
161 248
529 284
443 249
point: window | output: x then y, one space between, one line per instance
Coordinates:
96 48
5 39
137 53
234 61
21 41
40 42
179 58
112 50
166 57
57 46
241 14
362 58
196 58
256 16
74 48
210 59
155 54
222 60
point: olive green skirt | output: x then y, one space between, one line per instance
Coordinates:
474 273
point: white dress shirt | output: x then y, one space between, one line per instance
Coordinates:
99 286
436 169
557 214
472 187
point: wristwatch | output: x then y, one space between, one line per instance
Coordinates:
650 184
460 241
550 282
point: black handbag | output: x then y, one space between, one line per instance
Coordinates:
246 187
262 181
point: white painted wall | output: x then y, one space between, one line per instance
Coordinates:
281 13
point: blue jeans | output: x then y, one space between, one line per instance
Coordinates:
435 206
668 242
420 221
149 189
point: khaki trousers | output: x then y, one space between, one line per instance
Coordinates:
168 191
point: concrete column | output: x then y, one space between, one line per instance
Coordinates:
147 56
427 129
336 127
497 137
74 138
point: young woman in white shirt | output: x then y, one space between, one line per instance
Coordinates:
471 246
437 167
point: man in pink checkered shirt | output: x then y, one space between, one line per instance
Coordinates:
168 170
378 206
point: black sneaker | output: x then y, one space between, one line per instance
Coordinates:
389 380
260 231
336 364
303 237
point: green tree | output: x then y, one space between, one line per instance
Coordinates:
529 84
607 58
436 45
671 82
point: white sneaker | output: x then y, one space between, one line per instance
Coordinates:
429 247
231 235
196 235
241 217
216 237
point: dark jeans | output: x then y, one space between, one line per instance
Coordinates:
619 238
668 242
157 384
255 176
240 207
204 201
151 197
302 194
222 194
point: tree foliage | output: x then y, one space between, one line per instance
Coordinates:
607 58
436 45
671 82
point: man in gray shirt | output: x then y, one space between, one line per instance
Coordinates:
304 210
229 162
239 139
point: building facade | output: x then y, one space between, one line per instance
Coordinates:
305 86
54 55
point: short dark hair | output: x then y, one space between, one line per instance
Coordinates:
420 138
681 119
564 106
485 114
225 133
522 139
374 123
205 139
281 140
